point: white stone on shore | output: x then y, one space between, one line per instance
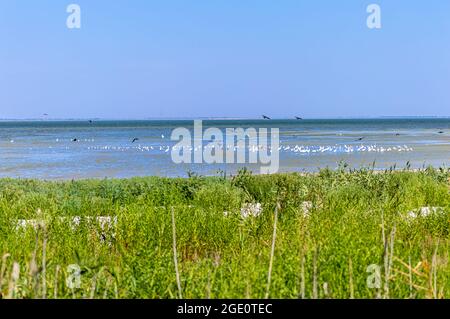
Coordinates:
33 223
306 208
251 210
107 224
424 212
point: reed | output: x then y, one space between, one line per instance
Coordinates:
2 270
14 278
272 252
358 218
410 277
55 289
302 279
350 269
175 258
44 267
315 280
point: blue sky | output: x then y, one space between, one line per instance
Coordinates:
224 58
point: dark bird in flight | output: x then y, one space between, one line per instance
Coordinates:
360 139
90 121
441 132
298 118
135 139
45 114
75 140
266 117
398 134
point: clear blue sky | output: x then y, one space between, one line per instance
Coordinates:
233 58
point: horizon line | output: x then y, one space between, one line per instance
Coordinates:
44 118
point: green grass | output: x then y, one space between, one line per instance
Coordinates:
228 256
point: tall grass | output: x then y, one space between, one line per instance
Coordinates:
272 252
357 218
175 253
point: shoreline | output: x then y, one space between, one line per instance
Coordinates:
389 118
348 170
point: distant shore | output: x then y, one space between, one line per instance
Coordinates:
285 118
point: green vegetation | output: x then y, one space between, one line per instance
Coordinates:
331 226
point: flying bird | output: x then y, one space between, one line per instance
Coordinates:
360 139
266 117
298 118
441 132
135 139
75 140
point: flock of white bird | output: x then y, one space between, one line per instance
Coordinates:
297 149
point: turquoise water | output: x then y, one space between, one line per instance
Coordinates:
45 149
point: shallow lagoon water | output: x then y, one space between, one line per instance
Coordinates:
45 149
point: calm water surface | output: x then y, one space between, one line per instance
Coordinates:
46 150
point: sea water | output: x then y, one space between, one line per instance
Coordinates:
103 148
